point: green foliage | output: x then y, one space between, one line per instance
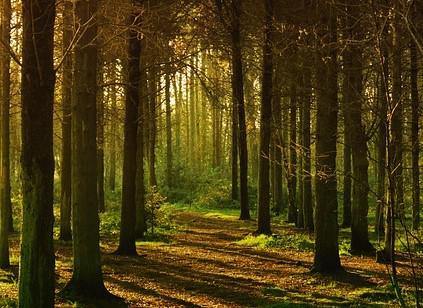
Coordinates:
344 248
292 241
8 302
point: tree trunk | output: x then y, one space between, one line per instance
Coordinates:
353 78
169 153
326 257
238 101
152 117
292 166
415 134
100 137
307 189
263 219
5 202
113 131
128 208
277 122
346 210
140 224
87 278
65 180
36 272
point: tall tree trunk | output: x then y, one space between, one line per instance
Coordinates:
100 136
346 210
307 189
152 117
113 130
263 219
238 101
277 122
300 216
292 166
140 224
36 272
326 257
128 208
353 70
87 278
5 202
65 180
169 151
415 134
395 145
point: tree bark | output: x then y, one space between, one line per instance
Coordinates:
415 134
65 180
326 257
169 151
292 166
5 202
263 219
128 208
87 278
36 272
238 103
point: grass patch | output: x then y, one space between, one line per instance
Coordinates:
293 241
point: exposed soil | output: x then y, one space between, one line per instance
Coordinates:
203 267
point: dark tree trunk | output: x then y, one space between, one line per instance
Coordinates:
238 103
100 136
346 210
152 117
87 278
307 189
277 122
5 202
36 272
169 151
353 78
415 134
140 224
128 210
65 180
113 131
263 219
292 166
326 257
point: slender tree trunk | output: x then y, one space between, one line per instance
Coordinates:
307 189
153 124
263 219
292 177
326 257
353 69
169 151
87 278
5 202
277 121
113 131
100 137
415 134
346 210
128 209
65 181
238 103
300 217
36 271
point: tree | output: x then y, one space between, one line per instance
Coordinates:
36 272
353 92
65 180
238 105
128 208
326 250
263 219
87 278
5 202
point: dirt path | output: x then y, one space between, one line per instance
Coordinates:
203 267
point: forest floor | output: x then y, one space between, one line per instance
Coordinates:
206 263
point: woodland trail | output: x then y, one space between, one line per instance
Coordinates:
202 266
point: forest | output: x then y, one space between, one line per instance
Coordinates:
211 153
